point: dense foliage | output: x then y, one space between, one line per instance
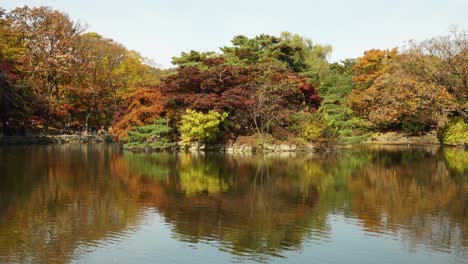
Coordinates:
201 127
55 76
456 132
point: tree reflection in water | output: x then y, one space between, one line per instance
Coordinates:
56 198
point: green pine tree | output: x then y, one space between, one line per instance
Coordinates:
335 89
154 136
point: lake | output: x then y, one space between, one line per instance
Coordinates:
100 204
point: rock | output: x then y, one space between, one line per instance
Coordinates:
247 149
310 147
56 139
193 147
269 147
238 149
285 147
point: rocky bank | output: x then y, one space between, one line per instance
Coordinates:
55 139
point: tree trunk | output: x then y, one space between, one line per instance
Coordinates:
88 115
5 126
46 124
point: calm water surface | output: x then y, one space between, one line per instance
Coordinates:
99 204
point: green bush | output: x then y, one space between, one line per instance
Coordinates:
456 133
153 136
201 127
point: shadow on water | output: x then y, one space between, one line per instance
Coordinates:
55 200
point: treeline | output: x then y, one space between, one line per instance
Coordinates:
55 76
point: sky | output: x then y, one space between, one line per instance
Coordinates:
161 29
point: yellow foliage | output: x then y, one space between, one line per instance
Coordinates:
198 126
314 129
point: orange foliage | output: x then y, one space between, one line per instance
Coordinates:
368 68
144 105
400 94
397 97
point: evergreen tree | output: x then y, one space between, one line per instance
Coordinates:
335 89
153 136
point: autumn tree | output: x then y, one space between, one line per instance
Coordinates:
444 59
106 73
224 87
92 90
11 45
55 76
106 70
140 107
49 38
367 69
273 93
400 98
11 49
214 85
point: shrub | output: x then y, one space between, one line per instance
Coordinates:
456 133
320 126
153 135
352 131
201 127
310 126
316 128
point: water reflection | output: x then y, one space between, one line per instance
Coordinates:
54 198
57 200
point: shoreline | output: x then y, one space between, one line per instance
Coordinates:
221 147
56 139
